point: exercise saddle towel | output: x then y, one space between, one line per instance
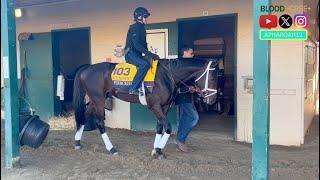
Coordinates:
123 74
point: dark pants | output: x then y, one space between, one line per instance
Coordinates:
188 119
142 68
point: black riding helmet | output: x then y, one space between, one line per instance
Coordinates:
140 12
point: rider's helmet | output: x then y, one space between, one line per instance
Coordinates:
140 12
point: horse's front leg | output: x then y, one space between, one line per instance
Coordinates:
161 138
78 137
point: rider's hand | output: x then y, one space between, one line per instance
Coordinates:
155 56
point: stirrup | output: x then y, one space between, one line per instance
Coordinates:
141 93
134 92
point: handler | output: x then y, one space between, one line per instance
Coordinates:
188 113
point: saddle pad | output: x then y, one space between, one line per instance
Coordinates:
123 74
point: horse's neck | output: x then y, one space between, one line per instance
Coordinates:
181 73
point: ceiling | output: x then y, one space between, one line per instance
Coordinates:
27 3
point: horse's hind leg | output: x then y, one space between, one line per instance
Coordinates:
105 138
99 120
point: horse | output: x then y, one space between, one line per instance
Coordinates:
94 81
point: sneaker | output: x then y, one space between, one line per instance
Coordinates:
134 92
181 146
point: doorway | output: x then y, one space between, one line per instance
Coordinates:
71 50
207 31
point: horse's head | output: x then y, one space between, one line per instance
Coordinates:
207 82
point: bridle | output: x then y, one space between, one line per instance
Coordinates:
206 90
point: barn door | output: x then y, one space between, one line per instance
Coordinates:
36 56
157 40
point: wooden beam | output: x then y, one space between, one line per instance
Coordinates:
9 62
261 98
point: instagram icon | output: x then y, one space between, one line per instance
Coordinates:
301 20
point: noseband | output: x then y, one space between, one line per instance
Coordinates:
206 90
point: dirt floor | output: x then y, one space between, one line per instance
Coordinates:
215 156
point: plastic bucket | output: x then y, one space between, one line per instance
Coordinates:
34 132
24 116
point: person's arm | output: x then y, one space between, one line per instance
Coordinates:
137 40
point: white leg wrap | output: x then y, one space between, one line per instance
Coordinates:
107 141
157 140
108 113
78 135
163 140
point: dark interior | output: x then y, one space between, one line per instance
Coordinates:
191 30
73 51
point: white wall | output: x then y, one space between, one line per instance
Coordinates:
286 91
309 105
120 115
2 81
109 21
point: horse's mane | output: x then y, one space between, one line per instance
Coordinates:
184 62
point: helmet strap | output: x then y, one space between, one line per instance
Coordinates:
140 20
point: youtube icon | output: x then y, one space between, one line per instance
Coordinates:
268 21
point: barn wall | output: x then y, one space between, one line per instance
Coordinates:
310 80
2 82
109 22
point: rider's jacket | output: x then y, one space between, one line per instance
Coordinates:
136 39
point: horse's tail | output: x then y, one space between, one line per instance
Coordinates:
79 98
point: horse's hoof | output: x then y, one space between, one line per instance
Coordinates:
113 151
162 156
77 145
153 153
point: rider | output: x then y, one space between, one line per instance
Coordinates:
136 45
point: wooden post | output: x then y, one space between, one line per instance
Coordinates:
261 98
9 62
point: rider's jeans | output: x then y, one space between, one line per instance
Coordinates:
188 119
142 68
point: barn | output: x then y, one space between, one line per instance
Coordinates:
66 34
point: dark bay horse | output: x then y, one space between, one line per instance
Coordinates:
94 81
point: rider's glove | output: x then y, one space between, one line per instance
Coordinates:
154 56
